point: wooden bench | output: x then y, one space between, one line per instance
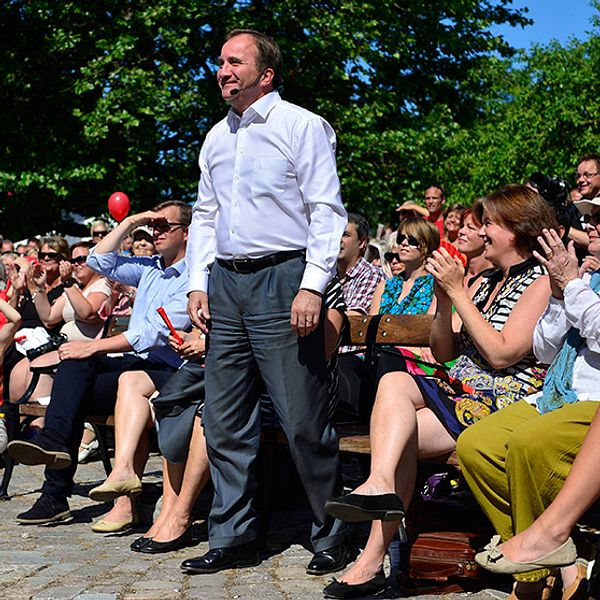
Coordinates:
405 330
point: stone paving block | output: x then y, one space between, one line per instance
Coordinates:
97 596
58 593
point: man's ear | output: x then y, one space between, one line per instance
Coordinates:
363 245
267 77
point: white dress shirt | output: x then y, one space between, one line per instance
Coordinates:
580 309
268 183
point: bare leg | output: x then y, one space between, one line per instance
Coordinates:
177 517
402 430
554 525
132 418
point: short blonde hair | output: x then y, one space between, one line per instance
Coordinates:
424 231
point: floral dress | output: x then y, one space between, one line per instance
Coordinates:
473 389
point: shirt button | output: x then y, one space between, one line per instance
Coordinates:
232 231
234 203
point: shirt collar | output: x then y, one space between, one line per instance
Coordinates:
258 111
179 267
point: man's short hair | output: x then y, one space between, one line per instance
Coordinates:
437 186
268 53
361 223
586 157
185 210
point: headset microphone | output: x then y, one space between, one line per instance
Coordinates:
236 91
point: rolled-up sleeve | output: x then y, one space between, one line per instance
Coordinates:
154 332
124 269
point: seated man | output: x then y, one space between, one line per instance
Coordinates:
86 380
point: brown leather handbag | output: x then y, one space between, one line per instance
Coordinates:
438 555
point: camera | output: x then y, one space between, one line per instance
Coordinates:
556 193
52 344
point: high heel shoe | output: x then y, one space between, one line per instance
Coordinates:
109 491
341 589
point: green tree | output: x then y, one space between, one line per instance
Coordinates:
118 94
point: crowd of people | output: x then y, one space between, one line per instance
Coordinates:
512 282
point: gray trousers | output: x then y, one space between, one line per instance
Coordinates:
250 338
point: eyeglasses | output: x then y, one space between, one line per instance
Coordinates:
391 256
592 219
409 239
166 226
585 175
50 256
79 260
100 233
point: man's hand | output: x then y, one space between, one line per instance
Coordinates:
306 309
193 346
198 310
76 350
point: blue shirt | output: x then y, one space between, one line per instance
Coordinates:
156 286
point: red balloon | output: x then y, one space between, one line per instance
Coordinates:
118 206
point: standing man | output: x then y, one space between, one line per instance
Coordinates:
269 218
434 201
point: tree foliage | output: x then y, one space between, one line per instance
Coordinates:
119 94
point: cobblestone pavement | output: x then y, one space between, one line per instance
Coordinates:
68 561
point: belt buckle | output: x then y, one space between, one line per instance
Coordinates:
238 264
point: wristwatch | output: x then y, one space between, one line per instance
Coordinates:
70 282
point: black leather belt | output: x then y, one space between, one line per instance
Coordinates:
251 265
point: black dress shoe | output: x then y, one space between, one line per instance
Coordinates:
329 561
137 544
219 559
47 509
354 508
154 547
340 589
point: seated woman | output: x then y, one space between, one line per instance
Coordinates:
471 244
185 465
76 309
53 251
421 417
517 461
143 242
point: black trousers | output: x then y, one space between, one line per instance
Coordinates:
84 387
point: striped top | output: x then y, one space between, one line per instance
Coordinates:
512 383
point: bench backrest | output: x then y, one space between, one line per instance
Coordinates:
405 330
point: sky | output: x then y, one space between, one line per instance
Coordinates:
553 19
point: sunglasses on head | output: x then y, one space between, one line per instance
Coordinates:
80 260
592 219
391 256
409 239
50 256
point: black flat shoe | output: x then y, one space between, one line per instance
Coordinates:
354 508
340 589
219 559
137 544
329 561
154 547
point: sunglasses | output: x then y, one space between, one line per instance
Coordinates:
409 239
166 226
100 233
391 256
593 219
50 256
80 260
